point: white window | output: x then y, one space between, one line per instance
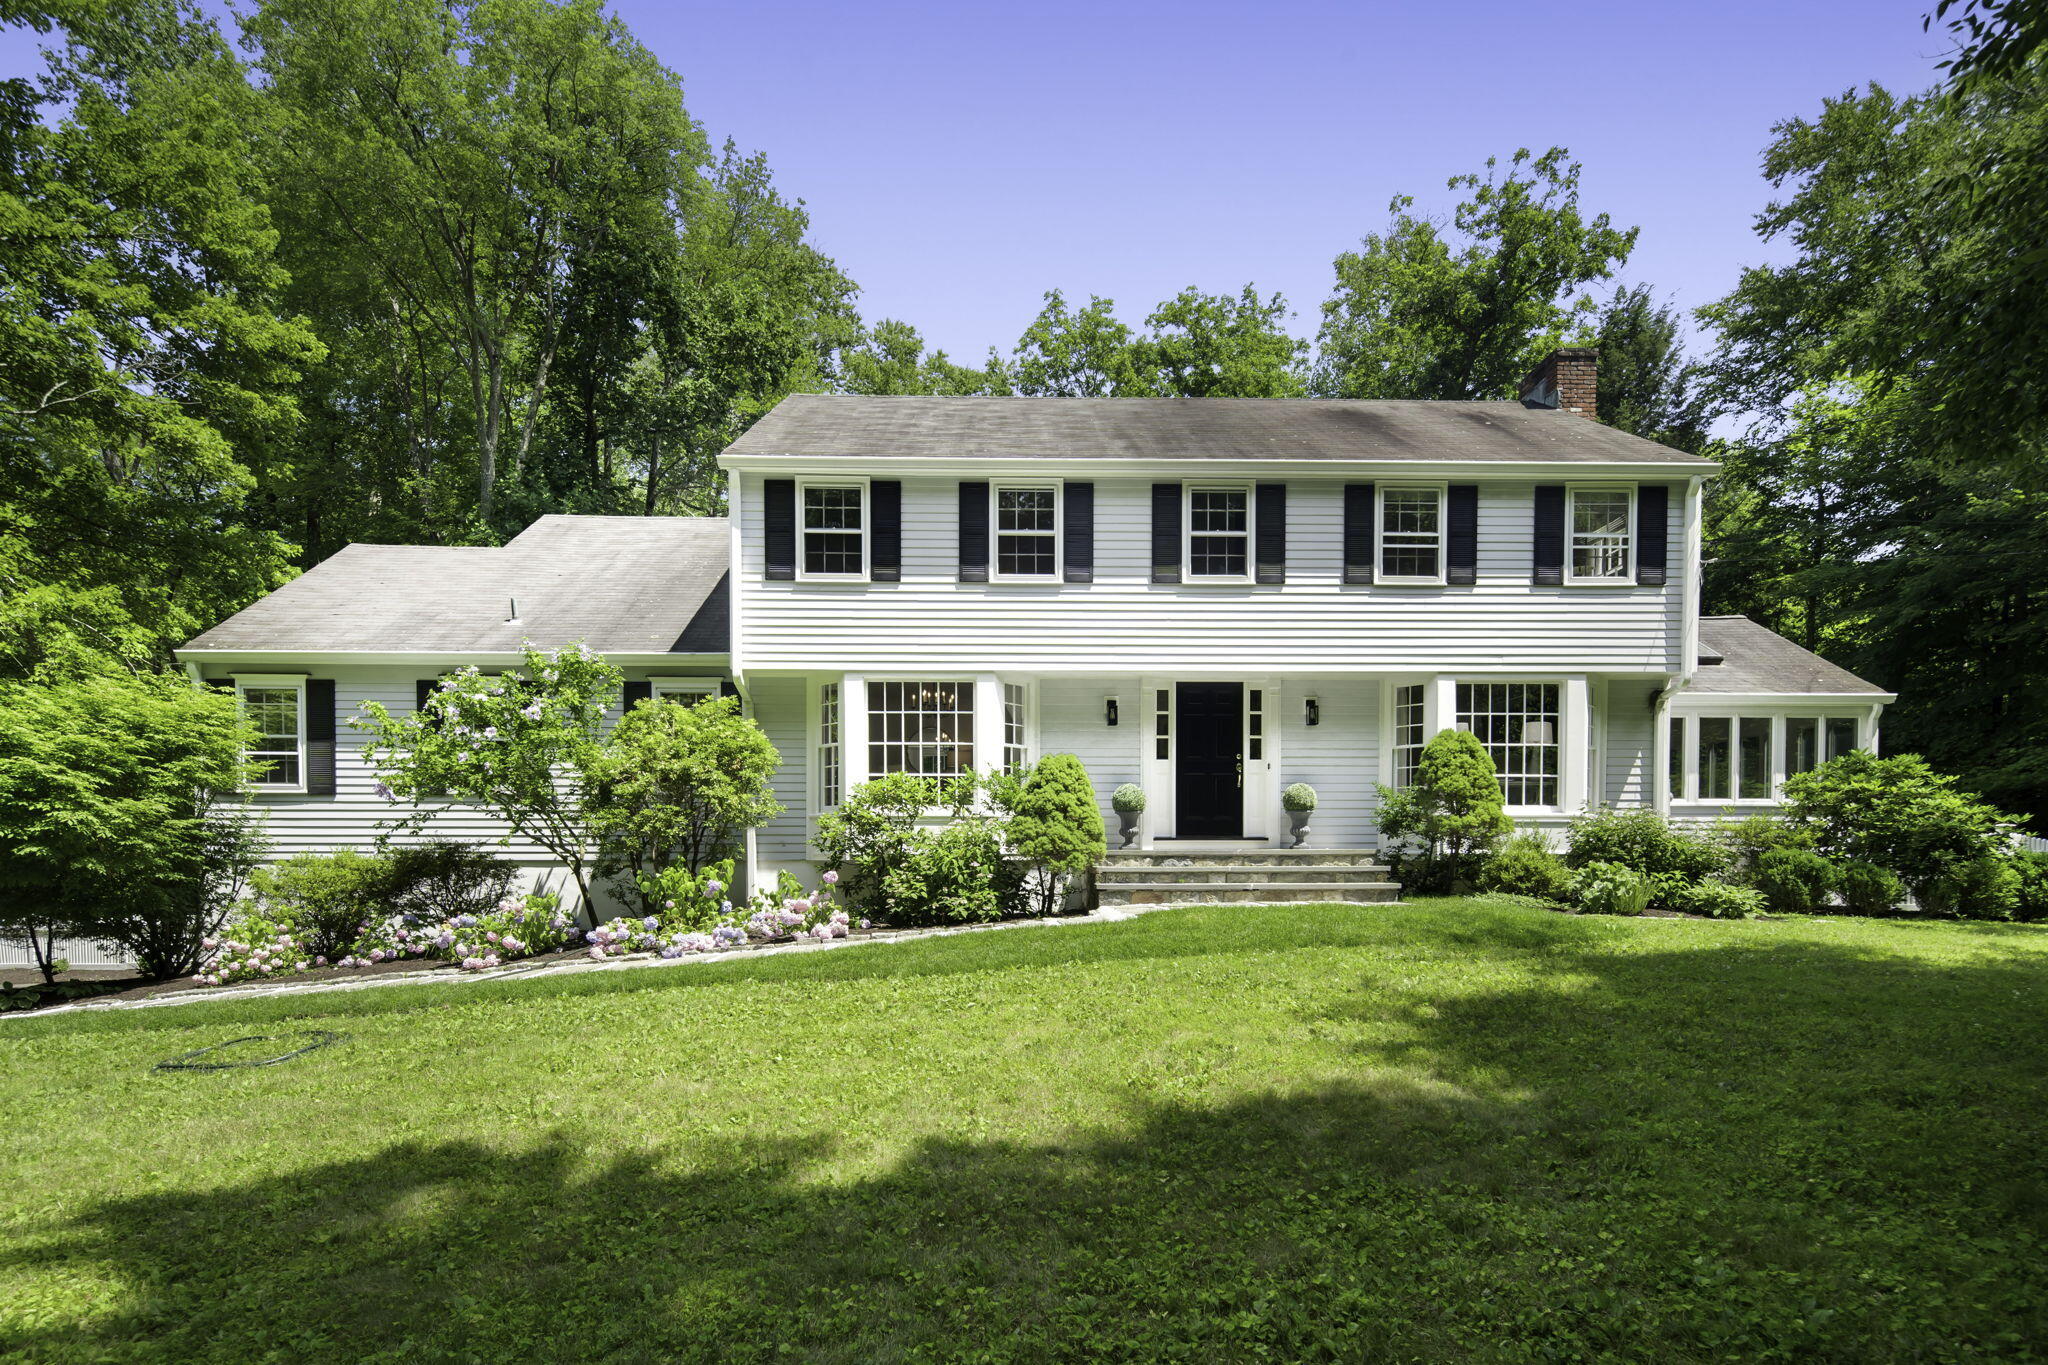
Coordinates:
1162 722
1016 715
922 728
1601 521
1742 758
1408 736
277 711
1219 536
1027 521
833 520
829 767
685 691
1517 723
1412 534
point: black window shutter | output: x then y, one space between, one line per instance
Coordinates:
973 532
1549 534
1653 532
421 690
885 554
728 688
1166 533
637 692
1461 534
778 526
320 736
1358 532
1078 526
1270 533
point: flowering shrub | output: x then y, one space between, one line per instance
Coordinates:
256 947
521 926
782 911
683 899
260 945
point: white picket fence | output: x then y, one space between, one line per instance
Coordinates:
16 953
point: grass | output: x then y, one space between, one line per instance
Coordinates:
1453 1130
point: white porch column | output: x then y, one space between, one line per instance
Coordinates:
853 732
1439 706
1576 722
988 723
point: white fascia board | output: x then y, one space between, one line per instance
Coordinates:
1683 700
279 658
1205 467
1209 671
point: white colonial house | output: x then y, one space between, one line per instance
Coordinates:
1210 598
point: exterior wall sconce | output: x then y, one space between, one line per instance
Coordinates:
1312 712
1109 711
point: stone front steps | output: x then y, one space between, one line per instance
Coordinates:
1251 877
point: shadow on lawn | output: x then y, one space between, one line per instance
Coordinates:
1782 1150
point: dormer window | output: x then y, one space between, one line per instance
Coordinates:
1219 533
1412 534
834 528
1027 521
1601 521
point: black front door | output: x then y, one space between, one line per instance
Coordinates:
1208 781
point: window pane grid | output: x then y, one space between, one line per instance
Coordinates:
274 712
1713 757
1255 723
922 728
833 528
1517 725
829 773
1600 534
1027 532
1408 737
1014 755
1162 723
1753 756
1411 532
1218 533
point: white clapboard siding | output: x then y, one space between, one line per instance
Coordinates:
1123 619
779 707
1629 745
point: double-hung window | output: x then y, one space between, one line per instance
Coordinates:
1408 736
1219 524
922 728
1602 523
1027 520
1016 728
1517 723
1412 534
833 523
277 750
830 770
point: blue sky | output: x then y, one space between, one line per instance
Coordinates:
961 159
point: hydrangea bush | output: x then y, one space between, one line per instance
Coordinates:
690 925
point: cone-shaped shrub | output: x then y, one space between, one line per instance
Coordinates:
1056 826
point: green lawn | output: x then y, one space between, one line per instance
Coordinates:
1457 1129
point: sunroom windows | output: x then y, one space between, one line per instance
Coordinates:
276 712
1746 756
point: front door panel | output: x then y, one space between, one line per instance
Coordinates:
1208 780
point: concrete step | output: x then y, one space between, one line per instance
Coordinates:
1274 857
1273 873
1246 893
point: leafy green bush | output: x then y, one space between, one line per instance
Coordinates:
1749 838
1298 797
1868 889
1055 827
1439 827
1793 881
442 880
1642 840
1525 866
682 901
1900 814
954 875
1127 799
1713 899
1611 889
870 831
2030 886
1987 887
326 902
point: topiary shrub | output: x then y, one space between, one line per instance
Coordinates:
1642 840
441 880
2030 886
1714 899
326 902
1298 797
1449 817
1611 889
1793 881
1128 799
1868 889
1525 866
1987 887
1056 827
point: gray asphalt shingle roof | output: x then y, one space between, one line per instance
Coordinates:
811 424
622 585
1754 659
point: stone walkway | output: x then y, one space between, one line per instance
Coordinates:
254 990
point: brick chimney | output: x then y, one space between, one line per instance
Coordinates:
1567 379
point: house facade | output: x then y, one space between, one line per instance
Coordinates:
1210 598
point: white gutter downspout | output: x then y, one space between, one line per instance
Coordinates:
1688 646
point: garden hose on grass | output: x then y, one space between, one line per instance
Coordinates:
184 1061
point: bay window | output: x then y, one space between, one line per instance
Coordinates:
1016 716
922 728
1517 724
1600 521
830 771
1408 735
